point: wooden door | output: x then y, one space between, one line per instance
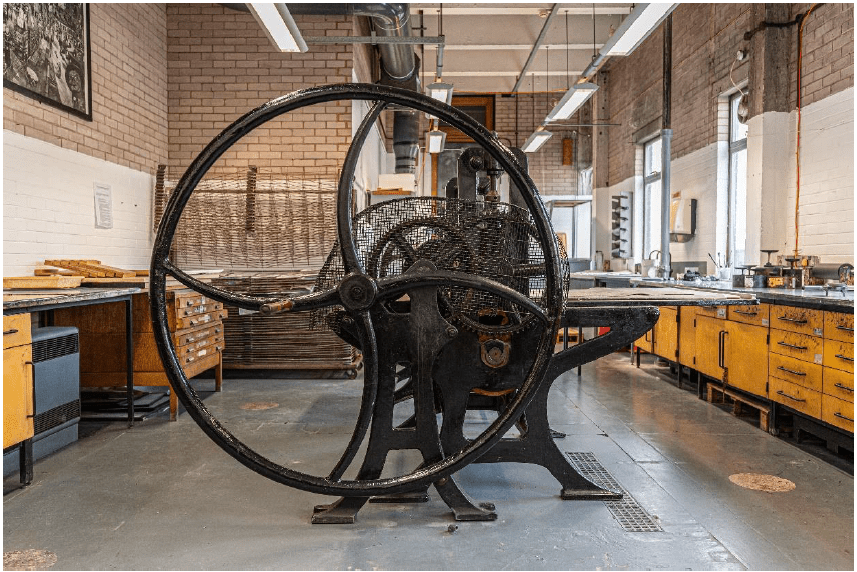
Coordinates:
17 394
687 336
746 357
666 334
709 336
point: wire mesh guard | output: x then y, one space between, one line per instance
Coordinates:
497 241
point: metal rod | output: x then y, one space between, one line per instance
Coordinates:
375 40
666 151
542 35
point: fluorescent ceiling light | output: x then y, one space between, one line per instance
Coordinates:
441 92
571 101
535 141
435 140
635 28
279 25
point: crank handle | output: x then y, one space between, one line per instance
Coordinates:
276 307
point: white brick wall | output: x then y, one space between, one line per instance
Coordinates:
49 212
827 179
827 186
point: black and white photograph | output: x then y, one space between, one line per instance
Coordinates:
46 54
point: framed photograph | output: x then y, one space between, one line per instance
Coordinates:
46 54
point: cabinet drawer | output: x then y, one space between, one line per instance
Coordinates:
200 354
800 346
193 347
796 371
198 309
839 326
195 334
837 412
800 320
795 396
16 330
755 315
712 311
839 355
200 319
189 298
838 384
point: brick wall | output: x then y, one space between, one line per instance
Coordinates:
828 52
129 92
706 38
221 64
514 122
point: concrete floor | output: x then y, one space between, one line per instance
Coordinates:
162 496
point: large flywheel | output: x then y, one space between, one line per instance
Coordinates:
431 260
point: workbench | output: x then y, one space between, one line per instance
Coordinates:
18 302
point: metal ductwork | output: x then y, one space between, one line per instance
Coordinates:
398 63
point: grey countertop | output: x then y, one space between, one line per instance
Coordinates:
816 299
15 301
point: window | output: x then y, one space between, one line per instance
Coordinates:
737 234
652 199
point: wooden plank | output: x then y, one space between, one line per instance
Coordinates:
45 271
31 282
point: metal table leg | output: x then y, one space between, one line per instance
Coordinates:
579 339
25 461
129 358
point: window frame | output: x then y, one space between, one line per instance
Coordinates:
648 179
736 146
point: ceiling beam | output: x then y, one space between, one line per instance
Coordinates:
539 40
602 10
509 73
449 47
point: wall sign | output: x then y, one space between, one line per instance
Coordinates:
46 54
103 206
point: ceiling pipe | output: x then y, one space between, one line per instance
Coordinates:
398 62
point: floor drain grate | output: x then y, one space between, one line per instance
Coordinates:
627 511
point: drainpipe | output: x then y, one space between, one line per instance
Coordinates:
666 150
398 63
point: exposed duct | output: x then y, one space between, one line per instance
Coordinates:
398 62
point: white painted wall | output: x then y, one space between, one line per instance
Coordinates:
827 187
49 211
695 177
374 158
827 180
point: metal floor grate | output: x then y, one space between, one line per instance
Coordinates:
627 511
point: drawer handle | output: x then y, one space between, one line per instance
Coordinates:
746 313
837 414
846 358
781 392
792 346
845 329
795 320
790 371
845 387
9 332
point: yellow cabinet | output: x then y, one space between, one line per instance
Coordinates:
838 383
709 345
837 412
745 357
796 397
17 380
687 336
666 334
839 355
839 326
801 320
